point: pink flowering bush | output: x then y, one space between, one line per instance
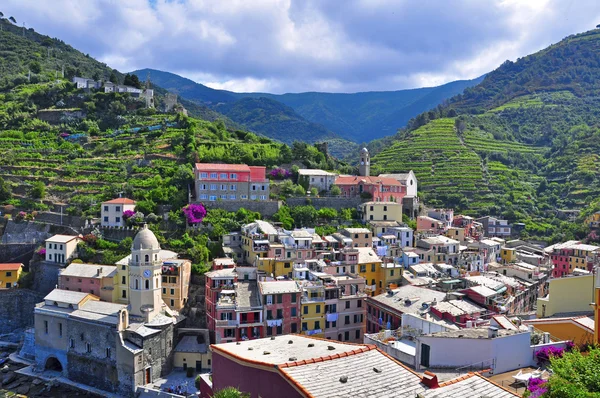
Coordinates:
128 214
544 354
42 252
194 213
537 387
279 173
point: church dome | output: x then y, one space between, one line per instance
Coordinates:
145 240
364 150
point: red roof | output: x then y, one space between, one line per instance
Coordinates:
10 266
240 168
354 180
121 201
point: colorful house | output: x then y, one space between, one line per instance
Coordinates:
381 211
61 248
9 275
230 182
380 189
111 214
579 329
281 306
313 309
568 294
98 280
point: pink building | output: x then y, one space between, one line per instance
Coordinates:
561 258
425 223
98 280
230 182
281 306
382 189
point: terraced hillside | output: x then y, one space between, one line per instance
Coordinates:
454 167
520 145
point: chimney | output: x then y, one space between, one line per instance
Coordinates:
430 380
99 271
492 332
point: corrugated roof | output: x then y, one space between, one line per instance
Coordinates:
471 385
89 270
278 287
65 296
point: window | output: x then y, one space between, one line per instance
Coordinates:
147 284
279 298
263 197
46 327
252 197
254 187
88 348
164 290
223 187
318 310
213 175
108 353
233 187
213 187
294 311
305 310
224 197
269 299
231 197
317 325
356 318
384 208
263 187
204 196
347 320
357 334
294 328
203 187
294 298
347 304
172 302
117 219
71 343
372 267
212 198
106 219
279 314
105 208
269 314
233 176
203 175
359 303
304 326
172 292
223 176
124 294
363 268
117 208
8 273
346 335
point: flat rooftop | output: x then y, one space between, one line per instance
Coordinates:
280 350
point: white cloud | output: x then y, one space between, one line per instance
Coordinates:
309 45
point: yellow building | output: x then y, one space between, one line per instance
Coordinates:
9 275
579 329
582 255
381 211
276 267
568 294
456 233
312 308
193 352
175 282
369 267
508 255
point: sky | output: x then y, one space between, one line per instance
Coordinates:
283 46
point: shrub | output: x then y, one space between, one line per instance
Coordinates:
194 213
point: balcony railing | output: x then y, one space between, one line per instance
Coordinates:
311 299
310 332
227 322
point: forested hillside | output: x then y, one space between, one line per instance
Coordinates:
520 145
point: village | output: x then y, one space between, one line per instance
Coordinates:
456 304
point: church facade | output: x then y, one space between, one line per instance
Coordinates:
114 347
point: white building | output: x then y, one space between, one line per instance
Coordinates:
320 179
61 248
112 211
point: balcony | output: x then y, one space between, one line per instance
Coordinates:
312 299
310 332
227 323
260 248
371 287
246 324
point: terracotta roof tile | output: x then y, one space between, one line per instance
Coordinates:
10 266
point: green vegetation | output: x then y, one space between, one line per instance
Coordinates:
574 375
520 145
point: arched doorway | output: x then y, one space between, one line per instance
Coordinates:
53 364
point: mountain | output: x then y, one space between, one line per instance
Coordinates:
521 144
358 117
361 117
186 88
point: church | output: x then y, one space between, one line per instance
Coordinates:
110 346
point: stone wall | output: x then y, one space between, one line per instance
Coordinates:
337 203
16 308
45 276
17 252
118 234
267 207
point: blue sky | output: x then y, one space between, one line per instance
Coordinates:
309 45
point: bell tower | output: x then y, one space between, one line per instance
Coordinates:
145 271
364 167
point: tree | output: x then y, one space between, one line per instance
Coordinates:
574 375
113 77
38 190
335 191
5 191
304 216
12 19
132 80
35 67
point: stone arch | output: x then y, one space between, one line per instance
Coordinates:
52 363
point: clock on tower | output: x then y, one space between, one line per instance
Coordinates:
147 273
